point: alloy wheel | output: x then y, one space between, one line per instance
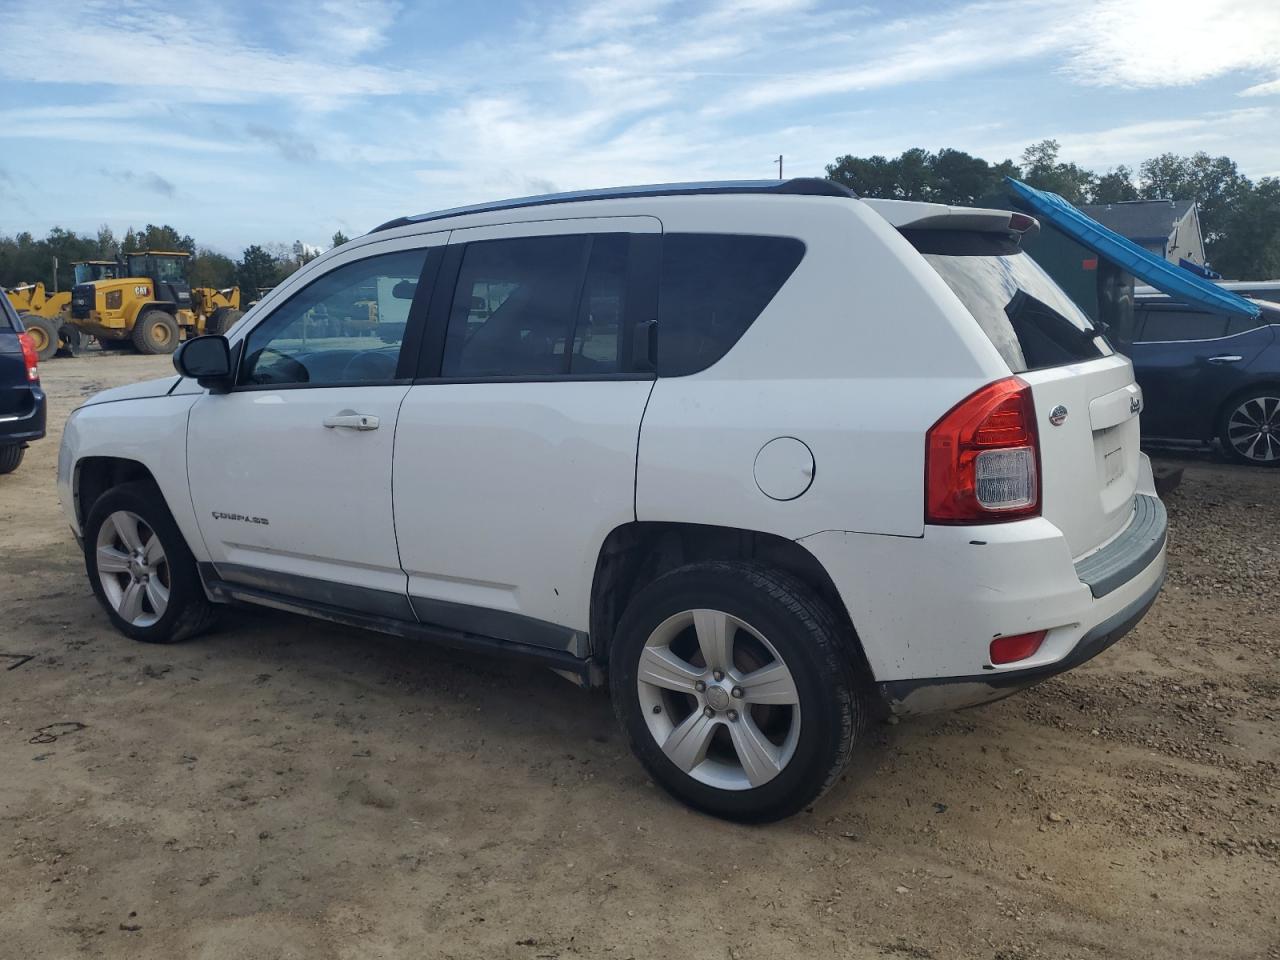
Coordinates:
132 568
1253 429
718 699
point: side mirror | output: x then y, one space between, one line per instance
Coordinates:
206 360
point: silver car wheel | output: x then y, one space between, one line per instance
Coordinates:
132 568
718 699
1253 429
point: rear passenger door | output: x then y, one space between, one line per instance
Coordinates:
1187 362
516 447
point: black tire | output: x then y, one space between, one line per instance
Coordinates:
11 456
1260 447
189 611
222 319
833 700
69 340
44 335
155 332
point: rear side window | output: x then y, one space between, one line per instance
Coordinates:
539 306
712 288
8 319
1027 316
1168 325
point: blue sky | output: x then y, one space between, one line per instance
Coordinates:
259 121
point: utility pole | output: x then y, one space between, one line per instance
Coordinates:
779 163
55 274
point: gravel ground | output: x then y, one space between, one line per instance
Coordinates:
287 789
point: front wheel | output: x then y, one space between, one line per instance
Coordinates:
737 688
11 456
155 332
141 569
1250 428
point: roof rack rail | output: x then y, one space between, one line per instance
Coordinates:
796 186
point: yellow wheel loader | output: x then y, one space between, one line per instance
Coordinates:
152 306
45 315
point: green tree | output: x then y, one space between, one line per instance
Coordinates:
165 238
256 272
1248 245
108 246
211 269
1214 183
1115 186
339 238
1042 169
948 176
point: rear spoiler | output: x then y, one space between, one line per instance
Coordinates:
909 215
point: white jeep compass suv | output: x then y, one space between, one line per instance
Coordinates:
770 458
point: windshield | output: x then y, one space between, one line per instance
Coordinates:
1027 316
88 272
161 269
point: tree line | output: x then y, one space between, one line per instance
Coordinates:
25 259
1240 218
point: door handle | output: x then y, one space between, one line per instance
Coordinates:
352 421
1226 358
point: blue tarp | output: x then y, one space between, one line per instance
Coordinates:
1160 273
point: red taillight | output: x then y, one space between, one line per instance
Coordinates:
29 357
982 459
1013 649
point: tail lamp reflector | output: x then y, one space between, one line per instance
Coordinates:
1015 648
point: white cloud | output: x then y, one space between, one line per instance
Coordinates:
193 56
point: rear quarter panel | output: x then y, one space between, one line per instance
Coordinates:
860 352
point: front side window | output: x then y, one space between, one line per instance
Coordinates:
345 327
712 288
539 306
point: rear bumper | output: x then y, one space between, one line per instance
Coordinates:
953 693
27 425
927 608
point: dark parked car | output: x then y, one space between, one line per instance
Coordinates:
21 399
1207 376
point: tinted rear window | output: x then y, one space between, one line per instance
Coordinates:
1027 316
712 288
8 319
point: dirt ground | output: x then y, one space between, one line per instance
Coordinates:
287 789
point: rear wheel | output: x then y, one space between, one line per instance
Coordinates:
69 340
155 332
737 690
141 569
1250 428
44 335
221 320
11 456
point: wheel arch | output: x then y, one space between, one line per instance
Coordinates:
635 554
95 475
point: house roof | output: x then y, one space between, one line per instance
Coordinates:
1140 219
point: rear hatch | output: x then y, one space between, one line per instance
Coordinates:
16 398
1087 403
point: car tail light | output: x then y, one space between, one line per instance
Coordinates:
982 459
1013 649
29 357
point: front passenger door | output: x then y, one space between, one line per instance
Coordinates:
290 472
